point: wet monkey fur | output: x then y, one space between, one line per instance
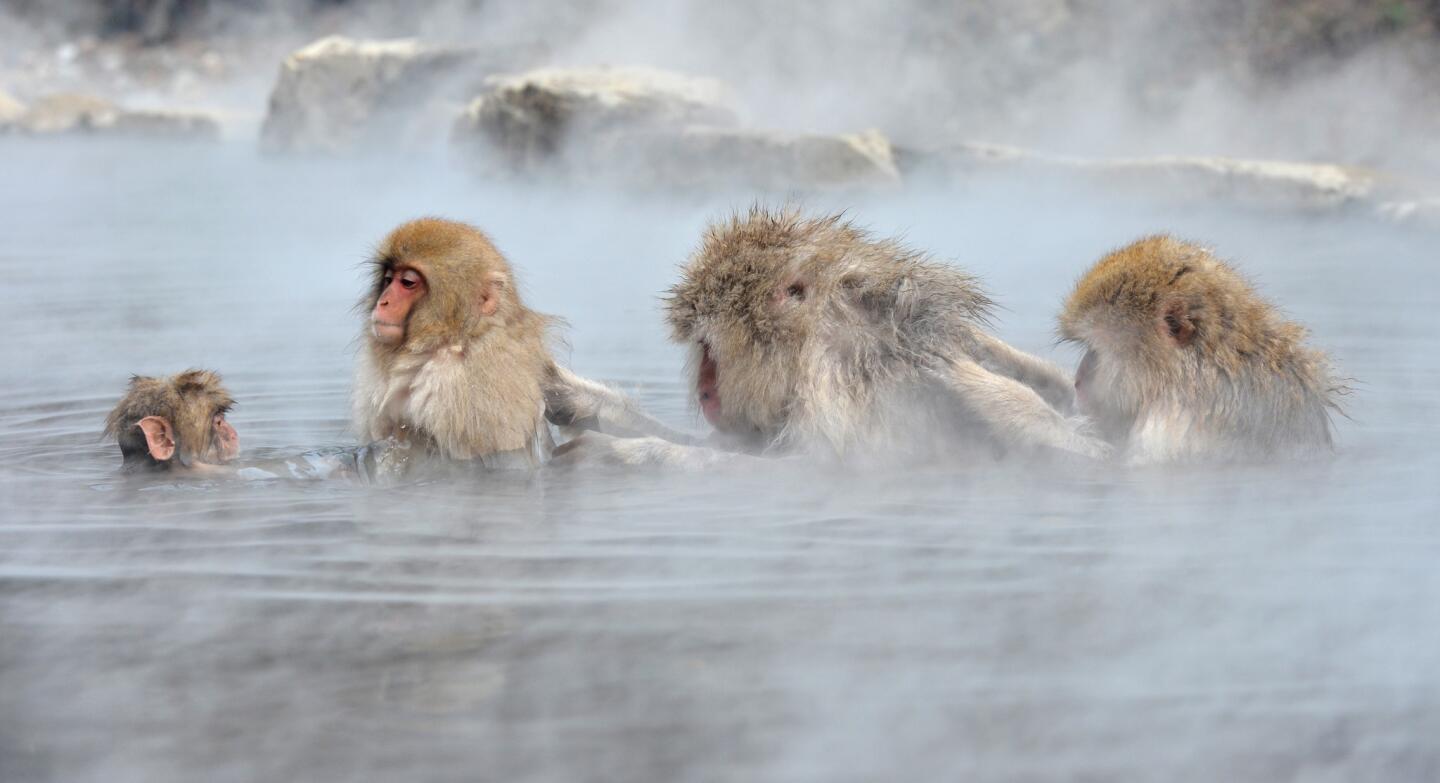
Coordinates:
174 423
453 362
1184 360
809 336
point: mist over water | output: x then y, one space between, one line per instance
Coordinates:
1258 622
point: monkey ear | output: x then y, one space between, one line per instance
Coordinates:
159 438
1175 322
490 295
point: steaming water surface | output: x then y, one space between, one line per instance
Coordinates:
1248 622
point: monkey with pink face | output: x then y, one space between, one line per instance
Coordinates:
454 370
174 424
808 336
455 367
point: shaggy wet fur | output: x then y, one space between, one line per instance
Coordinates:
464 384
189 401
1190 362
826 336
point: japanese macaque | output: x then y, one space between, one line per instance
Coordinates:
808 336
453 363
174 423
1184 360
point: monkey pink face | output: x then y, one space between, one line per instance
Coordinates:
707 384
400 288
225 442
1085 379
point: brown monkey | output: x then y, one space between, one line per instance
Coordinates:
175 422
1184 360
807 335
453 362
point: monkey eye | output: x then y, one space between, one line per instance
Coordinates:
796 291
1173 324
386 279
409 279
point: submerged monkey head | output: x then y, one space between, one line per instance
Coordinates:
793 321
180 420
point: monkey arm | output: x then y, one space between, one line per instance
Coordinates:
598 448
573 401
1015 412
1050 382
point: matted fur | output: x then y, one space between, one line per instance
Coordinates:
467 384
824 335
1241 383
189 401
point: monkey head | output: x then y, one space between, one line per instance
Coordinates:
164 422
436 282
787 316
1165 321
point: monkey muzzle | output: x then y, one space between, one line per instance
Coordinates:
1084 376
387 333
707 385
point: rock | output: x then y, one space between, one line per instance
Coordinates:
648 128
1309 186
342 95
717 158
545 117
72 113
67 113
1421 213
169 124
10 110
1306 186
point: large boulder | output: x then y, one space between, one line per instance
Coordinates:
74 113
557 117
343 95
652 129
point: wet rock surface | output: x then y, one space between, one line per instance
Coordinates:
715 158
340 94
651 129
1419 213
1256 183
1000 70
74 113
557 116
10 109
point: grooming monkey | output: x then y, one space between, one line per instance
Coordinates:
809 336
1183 360
174 423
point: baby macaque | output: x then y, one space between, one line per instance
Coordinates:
809 336
453 363
1183 360
174 423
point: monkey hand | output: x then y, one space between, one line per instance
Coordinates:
1086 442
582 404
571 401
